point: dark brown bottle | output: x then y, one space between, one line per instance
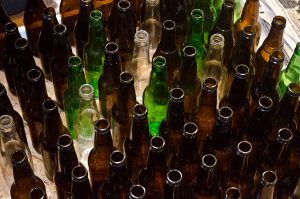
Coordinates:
37 94
81 30
153 177
53 128
137 192
98 159
122 110
66 161
37 193
205 114
233 193
4 19
167 48
33 22
136 145
118 184
173 184
224 26
9 56
171 127
266 185
238 98
80 187
59 63
188 80
24 178
6 108
45 42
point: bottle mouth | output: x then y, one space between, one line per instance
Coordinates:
225 114
79 173
96 15
74 61
137 192
60 29
242 71
152 2
34 75
294 89
49 13
189 51
18 157
244 148
117 158
190 130
2 90
159 62
197 14
11 27
126 78
112 48
249 32
64 142
86 92
208 162
21 44
157 144
279 22
233 193
229 4
265 103
169 25
285 135
217 40
176 95
49 105
86 1
141 37
6 122
37 193
174 178
102 125
277 57
269 178
124 5
210 84
140 111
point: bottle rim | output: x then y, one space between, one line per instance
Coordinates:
277 57
64 142
21 44
159 62
85 2
189 51
79 173
157 144
176 95
34 75
10 27
269 178
265 104
86 92
124 5
169 25
18 157
152 2
96 15
190 130
126 78
74 61
210 84
137 191
229 4
285 135
60 29
293 89
141 37
241 71
197 14
49 105
279 22
140 111
225 114
49 13
208 162
244 148
102 126
112 48
117 158
6 122
233 193
2 90
174 178
249 32
217 41
37 192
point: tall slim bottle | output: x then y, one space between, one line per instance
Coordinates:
4 19
173 184
80 187
266 185
93 53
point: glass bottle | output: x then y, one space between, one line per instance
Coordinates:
66 161
81 29
137 192
213 65
173 184
156 94
266 186
171 127
188 80
4 19
71 98
233 193
291 73
53 128
80 187
45 40
122 110
167 48
136 145
93 53
118 183
153 176
59 63
109 79
24 178
139 66
37 193
98 159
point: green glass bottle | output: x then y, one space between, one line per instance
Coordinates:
291 73
93 54
156 94
71 98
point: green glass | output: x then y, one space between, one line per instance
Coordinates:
93 55
196 37
156 94
291 73
71 98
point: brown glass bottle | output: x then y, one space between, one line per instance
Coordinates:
274 41
238 98
118 184
173 184
224 26
33 22
37 193
171 127
66 161
136 145
53 128
188 80
24 178
37 94
233 193
4 19
266 186
45 41
80 186
137 192
58 66
153 177
167 48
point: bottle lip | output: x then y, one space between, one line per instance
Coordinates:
225 114
6 122
141 37
18 157
85 2
279 22
152 2
241 71
210 84
86 92
10 27
126 78
140 111
37 192
233 193
293 89
49 13
112 48
176 95
265 103
174 177
34 75
79 173
277 57
169 25
217 40
159 62
189 51
60 29
74 61
102 126
285 136
229 4
64 142
49 105
137 191
190 130
96 15
157 144
208 162
244 148
124 5
197 14
249 32
269 178
21 44
117 158
2 90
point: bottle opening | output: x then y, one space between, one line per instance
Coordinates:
265 103
64 142
141 37
10 27
277 56
37 193
244 148
74 61
189 51
79 173
209 161
176 95
242 71
140 111
126 78
233 193
86 1
198 14
169 25
111 48
229 4
34 75
190 130
269 178
174 177
210 84
117 158
60 29
124 5
49 105
86 92
157 144
49 13
21 44
294 89
96 14
2 90
137 192
279 22
217 40
6 122
249 32
102 125
225 113
159 61
18 157
285 135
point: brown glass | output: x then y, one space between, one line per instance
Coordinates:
173 184
80 187
105 7
37 193
137 191
233 193
266 187
4 19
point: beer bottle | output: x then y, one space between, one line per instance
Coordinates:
136 145
171 127
224 26
122 110
37 193
249 17
238 98
37 94
93 53
24 178
53 128
98 159
33 22
291 73
45 41
167 48
173 182
59 63
66 161
195 37
81 29
137 192
204 115
71 99
9 56
188 80
153 176
233 193
118 183
80 186
4 19
156 94
274 41
109 79
266 185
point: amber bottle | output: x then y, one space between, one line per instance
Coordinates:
233 193
266 185
80 186
173 184
137 192
37 193
4 19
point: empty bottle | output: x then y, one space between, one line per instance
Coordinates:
137 192
37 193
4 19
173 184
80 187
233 193
266 185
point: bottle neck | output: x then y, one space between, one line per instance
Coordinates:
62 47
75 79
206 179
8 129
175 115
250 12
126 99
270 78
274 38
197 27
10 39
22 171
187 148
140 130
208 98
188 72
118 175
3 16
158 78
238 93
96 30
215 52
52 126
222 133
67 161
156 159
225 21
288 106
85 9
112 68
244 51
6 107
168 41
239 165
260 120
102 139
